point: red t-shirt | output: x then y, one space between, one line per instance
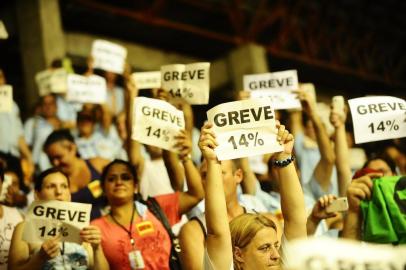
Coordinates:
149 234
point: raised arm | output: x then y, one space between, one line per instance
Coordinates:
292 199
324 167
249 181
133 147
19 257
341 152
359 189
195 192
92 235
218 242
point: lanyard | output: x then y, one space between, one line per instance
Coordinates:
132 241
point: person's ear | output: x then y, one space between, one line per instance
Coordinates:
72 147
239 175
238 255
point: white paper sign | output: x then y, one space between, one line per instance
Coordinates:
147 80
190 82
52 81
3 31
6 98
109 56
337 254
46 219
83 89
276 85
244 128
378 118
156 122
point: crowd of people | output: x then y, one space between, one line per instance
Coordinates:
156 209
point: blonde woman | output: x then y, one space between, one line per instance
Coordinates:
256 239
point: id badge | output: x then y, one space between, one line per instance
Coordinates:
136 260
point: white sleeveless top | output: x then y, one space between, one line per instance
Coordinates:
11 217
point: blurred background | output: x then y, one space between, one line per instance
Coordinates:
345 47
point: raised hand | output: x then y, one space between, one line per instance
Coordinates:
319 210
184 145
285 138
360 189
51 248
92 235
208 142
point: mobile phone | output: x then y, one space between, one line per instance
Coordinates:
338 205
338 105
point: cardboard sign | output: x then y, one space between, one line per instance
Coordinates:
156 122
52 81
378 118
108 56
6 98
244 128
276 85
147 80
3 31
47 219
190 82
336 254
83 89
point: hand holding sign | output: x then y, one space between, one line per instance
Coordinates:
208 142
244 128
50 248
378 118
184 145
92 235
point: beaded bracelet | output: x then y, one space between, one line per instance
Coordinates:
283 163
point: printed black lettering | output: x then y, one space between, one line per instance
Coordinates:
145 110
184 75
262 84
167 76
394 106
279 82
192 74
82 216
271 83
61 214
289 81
402 106
256 116
38 210
233 116
268 112
50 212
72 215
155 113
200 74
252 85
372 107
245 116
382 107
220 120
164 116
175 75
345 265
361 109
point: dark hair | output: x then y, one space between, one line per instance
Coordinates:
13 164
40 178
130 167
58 136
385 158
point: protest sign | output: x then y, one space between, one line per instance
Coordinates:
147 80
276 85
244 128
378 118
6 98
190 82
83 89
51 81
3 31
47 219
336 254
156 122
108 56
